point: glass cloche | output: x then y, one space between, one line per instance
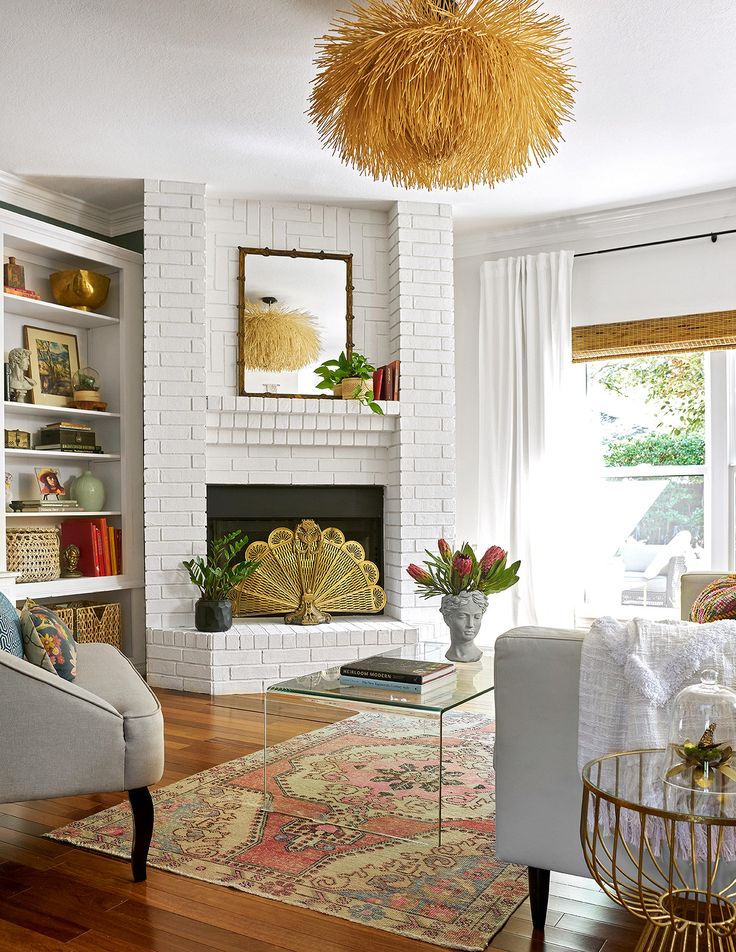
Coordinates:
702 738
86 383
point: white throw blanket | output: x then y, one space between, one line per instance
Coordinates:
630 673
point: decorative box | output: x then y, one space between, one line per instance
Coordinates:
66 438
17 440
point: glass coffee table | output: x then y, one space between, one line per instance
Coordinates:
324 688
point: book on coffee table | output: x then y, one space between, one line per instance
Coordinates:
438 684
398 671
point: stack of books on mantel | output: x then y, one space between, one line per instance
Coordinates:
399 674
45 505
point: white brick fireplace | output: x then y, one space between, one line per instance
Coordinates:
199 432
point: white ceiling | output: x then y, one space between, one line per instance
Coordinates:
215 92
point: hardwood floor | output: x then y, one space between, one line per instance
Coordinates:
54 897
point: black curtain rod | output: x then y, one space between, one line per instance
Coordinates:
713 235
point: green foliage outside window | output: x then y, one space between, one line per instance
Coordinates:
674 383
674 386
656 449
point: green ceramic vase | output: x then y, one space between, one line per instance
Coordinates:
89 491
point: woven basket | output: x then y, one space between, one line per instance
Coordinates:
34 554
93 622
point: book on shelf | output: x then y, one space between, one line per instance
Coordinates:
64 447
397 670
395 374
22 292
95 543
388 382
67 425
378 384
113 549
33 505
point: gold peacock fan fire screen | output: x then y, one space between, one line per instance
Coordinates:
308 573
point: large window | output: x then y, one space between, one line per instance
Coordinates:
658 480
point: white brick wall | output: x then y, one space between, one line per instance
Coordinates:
256 224
174 403
420 494
404 309
258 652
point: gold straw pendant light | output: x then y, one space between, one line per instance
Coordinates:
276 338
443 93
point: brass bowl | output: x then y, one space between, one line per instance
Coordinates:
84 290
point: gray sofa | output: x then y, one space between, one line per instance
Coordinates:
100 733
538 786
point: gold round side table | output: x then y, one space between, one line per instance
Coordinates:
665 854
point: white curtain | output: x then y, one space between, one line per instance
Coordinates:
529 399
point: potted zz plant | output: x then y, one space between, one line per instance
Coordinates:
216 575
348 378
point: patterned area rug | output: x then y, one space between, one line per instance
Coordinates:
376 771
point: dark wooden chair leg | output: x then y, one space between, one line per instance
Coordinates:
538 895
142 807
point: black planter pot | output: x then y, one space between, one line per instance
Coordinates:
213 616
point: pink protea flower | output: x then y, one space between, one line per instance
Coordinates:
444 547
491 557
462 565
419 574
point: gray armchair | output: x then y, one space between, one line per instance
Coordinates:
538 786
100 733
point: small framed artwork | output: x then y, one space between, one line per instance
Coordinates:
54 361
49 483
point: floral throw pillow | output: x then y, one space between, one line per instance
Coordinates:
47 641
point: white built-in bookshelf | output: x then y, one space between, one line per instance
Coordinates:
110 340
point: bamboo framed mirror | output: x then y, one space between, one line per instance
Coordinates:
295 310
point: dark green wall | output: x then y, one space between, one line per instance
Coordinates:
133 240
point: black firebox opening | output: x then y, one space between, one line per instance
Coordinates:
257 510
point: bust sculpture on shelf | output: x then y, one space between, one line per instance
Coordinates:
464 582
20 383
70 557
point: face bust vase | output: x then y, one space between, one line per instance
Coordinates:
463 615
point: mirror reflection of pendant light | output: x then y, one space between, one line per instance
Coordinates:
443 93
278 339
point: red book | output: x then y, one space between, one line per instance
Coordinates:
388 382
99 557
395 368
378 384
105 560
119 549
82 533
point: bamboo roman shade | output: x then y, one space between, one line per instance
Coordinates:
659 335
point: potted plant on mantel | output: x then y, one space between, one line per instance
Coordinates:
348 378
216 575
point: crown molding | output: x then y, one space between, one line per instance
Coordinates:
73 211
604 228
126 218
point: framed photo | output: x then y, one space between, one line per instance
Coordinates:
54 361
49 483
